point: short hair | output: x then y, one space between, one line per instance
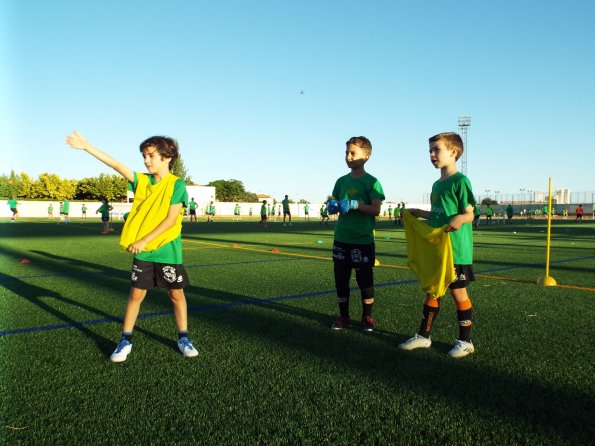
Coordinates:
361 141
165 146
452 140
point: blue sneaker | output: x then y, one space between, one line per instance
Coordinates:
187 348
122 351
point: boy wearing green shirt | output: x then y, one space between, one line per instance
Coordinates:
66 211
489 213
84 211
357 198
306 212
397 214
476 215
452 206
12 204
192 206
263 214
105 209
51 212
154 230
286 209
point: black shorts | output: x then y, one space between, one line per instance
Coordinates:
263 217
192 211
104 219
14 210
354 256
286 212
147 275
464 276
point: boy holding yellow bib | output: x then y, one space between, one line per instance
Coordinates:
152 233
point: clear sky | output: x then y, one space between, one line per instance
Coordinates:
267 92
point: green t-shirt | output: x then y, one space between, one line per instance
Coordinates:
66 206
50 208
12 204
306 209
390 211
263 209
192 205
84 208
354 226
236 210
489 211
104 210
449 198
397 212
285 204
509 210
476 210
172 251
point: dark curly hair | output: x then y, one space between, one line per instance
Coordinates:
165 146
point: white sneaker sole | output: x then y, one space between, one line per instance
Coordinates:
121 356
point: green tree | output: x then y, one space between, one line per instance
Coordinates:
110 186
26 187
488 202
303 201
180 171
67 189
47 185
231 190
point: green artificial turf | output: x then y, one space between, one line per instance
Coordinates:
269 370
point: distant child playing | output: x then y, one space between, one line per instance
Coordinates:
152 233
263 214
357 197
452 205
105 209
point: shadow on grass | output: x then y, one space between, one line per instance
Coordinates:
34 294
487 393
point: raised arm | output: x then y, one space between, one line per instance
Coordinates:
79 142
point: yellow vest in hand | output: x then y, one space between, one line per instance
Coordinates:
150 207
429 255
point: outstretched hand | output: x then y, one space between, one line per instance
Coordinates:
76 141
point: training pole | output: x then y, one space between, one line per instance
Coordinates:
547 280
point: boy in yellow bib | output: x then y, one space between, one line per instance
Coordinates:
152 232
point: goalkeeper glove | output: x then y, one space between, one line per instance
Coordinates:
347 205
332 207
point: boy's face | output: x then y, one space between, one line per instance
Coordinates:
154 162
441 156
355 156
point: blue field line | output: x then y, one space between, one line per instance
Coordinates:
242 303
193 309
116 271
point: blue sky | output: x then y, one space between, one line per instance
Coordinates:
226 79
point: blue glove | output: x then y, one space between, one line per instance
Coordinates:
332 207
347 205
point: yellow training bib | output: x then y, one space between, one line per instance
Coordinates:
429 255
150 208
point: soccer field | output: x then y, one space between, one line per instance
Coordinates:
269 370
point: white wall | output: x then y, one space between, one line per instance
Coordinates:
39 209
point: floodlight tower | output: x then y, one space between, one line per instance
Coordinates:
464 124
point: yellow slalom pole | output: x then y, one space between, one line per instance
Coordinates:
547 280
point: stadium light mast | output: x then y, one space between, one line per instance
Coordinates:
464 124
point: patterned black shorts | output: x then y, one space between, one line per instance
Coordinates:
354 256
464 276
147 275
